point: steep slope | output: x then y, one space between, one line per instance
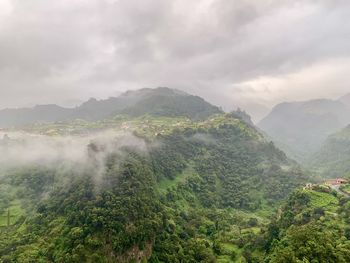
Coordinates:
333 158
345 100
313 226
159 101
195 192
172 105
301 127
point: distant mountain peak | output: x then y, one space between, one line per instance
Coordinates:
160 101
91 101
46 106
300 127
155 91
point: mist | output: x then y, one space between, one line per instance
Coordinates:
20 149
174 131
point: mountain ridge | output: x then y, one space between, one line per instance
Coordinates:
302 126
179 198
333 157
152 101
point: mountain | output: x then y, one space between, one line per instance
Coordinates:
345 100
157 102
172 103
333 158
172 190
255 110
301 127
41 113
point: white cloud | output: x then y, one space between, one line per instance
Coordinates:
232 53
329 79
6 8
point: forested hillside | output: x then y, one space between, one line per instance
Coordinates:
157 102
333 158
313 226
300 128
174 131
192 192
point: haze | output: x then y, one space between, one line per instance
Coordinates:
251 54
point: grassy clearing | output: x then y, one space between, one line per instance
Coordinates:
255 230
265 212
259 215
16 212
230 253
166 184
325 200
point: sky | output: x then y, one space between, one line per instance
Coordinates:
246 53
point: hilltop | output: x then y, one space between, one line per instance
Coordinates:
157 102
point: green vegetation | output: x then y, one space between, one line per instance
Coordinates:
172 103
12 214
333 159
146 126
313 226
159 102
345 188
320 199
300 128
203 192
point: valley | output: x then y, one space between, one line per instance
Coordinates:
154 188
174 131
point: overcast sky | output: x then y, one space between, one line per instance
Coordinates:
231 52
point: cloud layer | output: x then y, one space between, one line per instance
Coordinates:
243 52
83 154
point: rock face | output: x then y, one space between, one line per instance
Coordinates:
300 128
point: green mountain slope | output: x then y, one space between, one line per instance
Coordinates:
333 158
313 226
172 105
194 192
158 102
301 127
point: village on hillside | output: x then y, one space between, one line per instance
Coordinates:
340 185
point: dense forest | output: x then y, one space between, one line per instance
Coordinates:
313 227
202 192
155 131
183 182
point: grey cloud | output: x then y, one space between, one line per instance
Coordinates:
67 50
